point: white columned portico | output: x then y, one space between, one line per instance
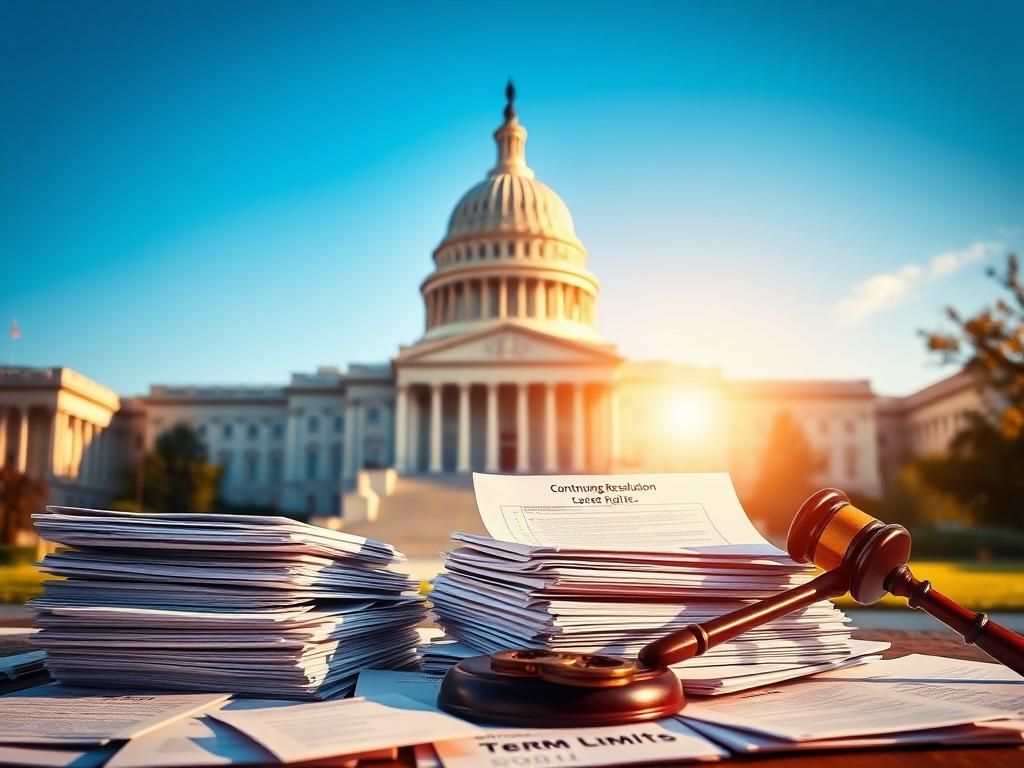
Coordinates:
435 428
401 427
578 428
21 456
464 428
522 427
492 428
550 424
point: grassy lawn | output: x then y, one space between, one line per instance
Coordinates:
19 583
991 586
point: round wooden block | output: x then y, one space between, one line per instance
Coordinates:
473 691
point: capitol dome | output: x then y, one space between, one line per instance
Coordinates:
513 201
511 253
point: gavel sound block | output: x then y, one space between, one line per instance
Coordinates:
858 554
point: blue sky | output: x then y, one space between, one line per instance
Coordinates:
229 191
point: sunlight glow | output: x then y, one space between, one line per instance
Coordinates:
690 414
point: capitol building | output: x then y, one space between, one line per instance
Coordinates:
509 374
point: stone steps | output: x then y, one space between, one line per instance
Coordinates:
419 517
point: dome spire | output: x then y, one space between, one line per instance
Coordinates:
511 140
510 96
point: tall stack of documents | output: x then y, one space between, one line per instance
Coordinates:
256 605
608 564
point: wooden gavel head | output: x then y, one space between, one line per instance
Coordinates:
836 536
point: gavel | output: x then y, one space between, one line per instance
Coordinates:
858 554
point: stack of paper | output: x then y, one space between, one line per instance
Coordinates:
911 700
608 564
254 605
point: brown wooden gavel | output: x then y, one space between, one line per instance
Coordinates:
860 555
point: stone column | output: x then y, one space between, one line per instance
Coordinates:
435 428
54 454
450 301
88 459
613 427
290 443
503 298
550 433
401 426
492 428
3 436
412 461
559 301
540 301
350 468
464 428
578 429
522 426
485 298
99 440
521 298
21 450
76 448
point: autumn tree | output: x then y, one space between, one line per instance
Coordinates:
786 475
20 496
984 467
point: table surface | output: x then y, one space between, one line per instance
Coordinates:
936 643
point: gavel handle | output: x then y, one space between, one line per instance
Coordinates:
994 639
695 639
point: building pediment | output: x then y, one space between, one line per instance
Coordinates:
507 344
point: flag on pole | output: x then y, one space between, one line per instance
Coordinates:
15 330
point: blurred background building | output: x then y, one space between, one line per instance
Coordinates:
509 375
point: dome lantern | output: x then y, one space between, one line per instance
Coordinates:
511 140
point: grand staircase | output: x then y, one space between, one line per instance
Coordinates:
419 517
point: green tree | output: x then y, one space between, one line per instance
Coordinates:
177 476
984 467
786 475
20 496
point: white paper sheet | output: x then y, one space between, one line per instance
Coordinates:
53 714
815 710
663 741
617 512
336 728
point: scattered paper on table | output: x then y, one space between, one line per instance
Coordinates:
337 728
53 714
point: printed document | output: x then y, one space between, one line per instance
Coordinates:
54 714
335 728
618 512
663 741
815 710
